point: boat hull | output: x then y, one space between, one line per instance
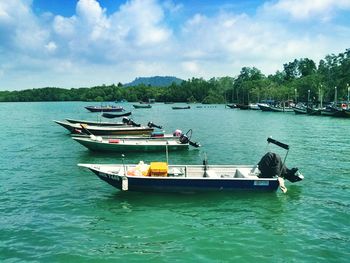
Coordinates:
76 128
225 179
131 145
335 113
181 108
188 185
281 109
104 109
264 107
142 106
113 115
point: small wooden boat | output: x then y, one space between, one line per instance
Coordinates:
161 177
156 135
115 115
281 109
153 143
132 145
105 130
242 106
231 106
181 108
303 109
333 111
300 109
104 108
142 106
253 106
264 107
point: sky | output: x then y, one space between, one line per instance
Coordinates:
84 43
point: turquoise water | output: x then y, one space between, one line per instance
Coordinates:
54 211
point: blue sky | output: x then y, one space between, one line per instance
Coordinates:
81 43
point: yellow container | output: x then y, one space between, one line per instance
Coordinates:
159 169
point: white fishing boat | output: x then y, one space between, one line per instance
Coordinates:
104 130
161 177
176 142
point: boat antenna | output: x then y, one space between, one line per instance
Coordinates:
123 157
205 165
125 184
166 151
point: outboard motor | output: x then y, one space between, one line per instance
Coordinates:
125 120
271 165
152 125
131 122
184 139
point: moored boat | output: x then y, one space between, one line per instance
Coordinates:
161 177
300 109
253 106
333 111
115 115
132 145
105 130
242 106
231 106
181 108
111 108
142 106
264 106
178 141
281 109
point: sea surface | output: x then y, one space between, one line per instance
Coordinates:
51 210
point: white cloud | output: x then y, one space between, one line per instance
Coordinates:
191 66
306 9
20 28
93 46
51 47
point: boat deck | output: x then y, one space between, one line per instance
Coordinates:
188 171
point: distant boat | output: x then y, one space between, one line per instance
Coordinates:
232 106
104 108
253 106
264 107
142 106
334 111
181 108
242 106
114 115
302 109
281 109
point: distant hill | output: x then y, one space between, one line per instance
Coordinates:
156 81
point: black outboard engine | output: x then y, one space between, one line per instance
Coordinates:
271 165
130 122
152 125
184 139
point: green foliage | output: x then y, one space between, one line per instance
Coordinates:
297 78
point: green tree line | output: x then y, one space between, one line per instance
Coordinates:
297 79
